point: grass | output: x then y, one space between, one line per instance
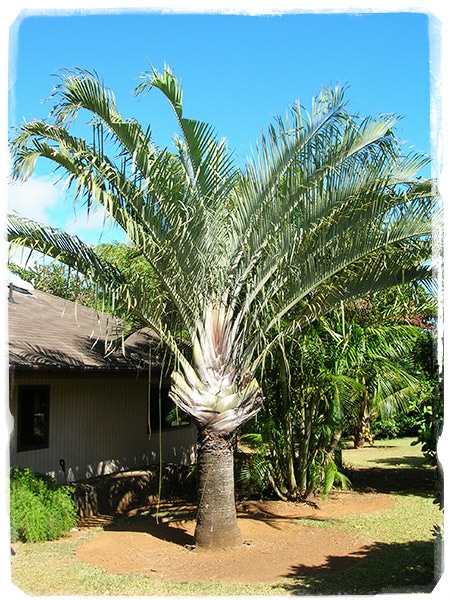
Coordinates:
411 518
400 553
397 453
379 568
51 568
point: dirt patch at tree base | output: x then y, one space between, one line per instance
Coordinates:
277 541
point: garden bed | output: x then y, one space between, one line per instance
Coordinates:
361 541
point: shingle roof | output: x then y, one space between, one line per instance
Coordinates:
47 332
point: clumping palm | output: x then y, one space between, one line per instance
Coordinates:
327 209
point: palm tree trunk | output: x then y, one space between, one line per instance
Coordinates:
335 448
287 426
361 428
217 526
305 451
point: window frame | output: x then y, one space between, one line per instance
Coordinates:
158 409
23 398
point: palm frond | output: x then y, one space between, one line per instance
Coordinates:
208 163
69 250
327 210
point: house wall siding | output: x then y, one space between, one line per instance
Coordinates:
99 426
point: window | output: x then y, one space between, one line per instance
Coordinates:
33 417
171 416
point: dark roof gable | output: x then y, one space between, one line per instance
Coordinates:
47 332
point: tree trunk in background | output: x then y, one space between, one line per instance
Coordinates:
287 426
305 455
336 449
217 526
362 427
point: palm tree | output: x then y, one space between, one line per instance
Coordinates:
377 360
325 210
336 375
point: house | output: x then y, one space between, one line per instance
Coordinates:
79 407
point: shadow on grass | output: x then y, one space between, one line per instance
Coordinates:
415 462
379 568
402 480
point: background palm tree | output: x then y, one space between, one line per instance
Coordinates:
334 378
326 209
378 359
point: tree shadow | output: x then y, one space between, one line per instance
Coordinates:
409 567
402 480
416 462
133 492
81 352
259 512
169 528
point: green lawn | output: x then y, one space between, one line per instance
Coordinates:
397 453
401 552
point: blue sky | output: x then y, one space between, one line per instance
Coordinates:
238 72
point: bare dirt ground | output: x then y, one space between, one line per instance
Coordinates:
273 540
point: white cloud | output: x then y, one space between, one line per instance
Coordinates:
35 198
93 228
44 199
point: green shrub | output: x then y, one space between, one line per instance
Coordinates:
385 429
40 508
403 424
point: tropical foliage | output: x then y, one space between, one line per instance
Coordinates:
57 279
41 509
332 382
431 419
326 210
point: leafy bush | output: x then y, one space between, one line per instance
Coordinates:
40 508
403 424
385 429
252 476
431 428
